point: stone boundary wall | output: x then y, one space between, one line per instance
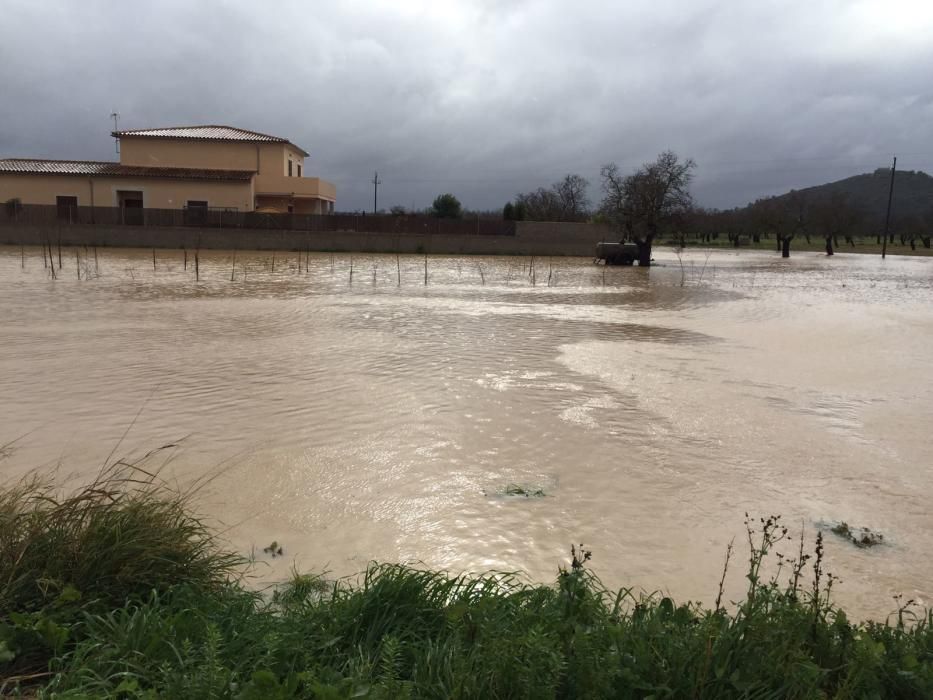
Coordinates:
531 238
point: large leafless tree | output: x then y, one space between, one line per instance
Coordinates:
649 200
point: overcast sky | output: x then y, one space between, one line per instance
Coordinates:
487 98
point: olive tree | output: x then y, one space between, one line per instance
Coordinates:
446 206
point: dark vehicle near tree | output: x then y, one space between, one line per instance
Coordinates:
617 253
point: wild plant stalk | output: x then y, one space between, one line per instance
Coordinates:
703 270
482 275
273 263
683 273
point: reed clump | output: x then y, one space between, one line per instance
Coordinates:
118 591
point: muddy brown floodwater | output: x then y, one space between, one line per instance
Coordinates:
382 418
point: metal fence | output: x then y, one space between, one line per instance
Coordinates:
200 217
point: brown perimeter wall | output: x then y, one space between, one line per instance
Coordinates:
531 238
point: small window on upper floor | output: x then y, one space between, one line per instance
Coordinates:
299 170
289 168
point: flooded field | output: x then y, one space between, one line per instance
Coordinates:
376 416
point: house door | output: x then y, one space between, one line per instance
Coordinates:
131 206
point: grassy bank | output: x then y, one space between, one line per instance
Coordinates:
120 590
865 246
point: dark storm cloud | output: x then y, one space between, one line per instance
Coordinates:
487 98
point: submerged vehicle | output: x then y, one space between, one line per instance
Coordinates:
617 253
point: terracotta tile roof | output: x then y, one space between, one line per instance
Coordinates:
207 132
33 166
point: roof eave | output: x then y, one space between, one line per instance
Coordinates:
270 139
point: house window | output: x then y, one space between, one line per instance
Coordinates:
67 207
299 170
289 168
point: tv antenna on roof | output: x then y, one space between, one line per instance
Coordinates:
115 115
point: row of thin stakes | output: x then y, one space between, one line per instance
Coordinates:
48 261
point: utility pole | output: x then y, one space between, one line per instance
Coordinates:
115 115
887 216
376 183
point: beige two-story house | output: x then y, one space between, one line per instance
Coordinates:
187 167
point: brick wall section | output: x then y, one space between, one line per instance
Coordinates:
531 238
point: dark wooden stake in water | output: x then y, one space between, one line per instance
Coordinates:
59 250
273 263
22 256
153 259
77 264
233 269
185 251
197 267
887 216
96 269
351 268
398 270
425 269
51 261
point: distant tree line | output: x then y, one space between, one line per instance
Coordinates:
655 200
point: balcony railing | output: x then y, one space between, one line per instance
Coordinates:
52 215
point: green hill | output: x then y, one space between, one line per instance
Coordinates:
913 193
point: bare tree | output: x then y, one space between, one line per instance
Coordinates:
794 219
643 203
836 216
563 201
571 195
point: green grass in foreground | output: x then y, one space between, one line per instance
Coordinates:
118 590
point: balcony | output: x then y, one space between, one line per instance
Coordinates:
279 185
